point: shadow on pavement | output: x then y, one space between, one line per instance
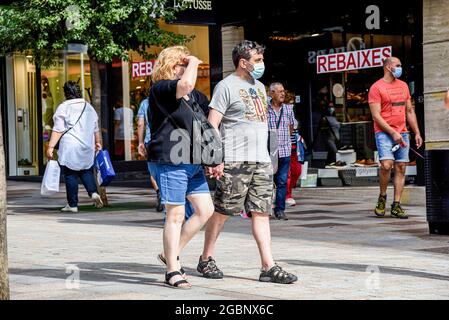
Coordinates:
364 268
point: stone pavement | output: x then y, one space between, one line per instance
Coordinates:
334 243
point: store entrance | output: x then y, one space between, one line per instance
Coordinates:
26 117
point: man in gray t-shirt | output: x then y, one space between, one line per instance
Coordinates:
244 130
245 180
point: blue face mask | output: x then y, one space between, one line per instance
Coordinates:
397 73
259 69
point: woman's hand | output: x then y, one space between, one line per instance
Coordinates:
98 146
50 153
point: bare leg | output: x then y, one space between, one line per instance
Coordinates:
172 234
262 235
399 180
213 229
385 174
204 208
154 184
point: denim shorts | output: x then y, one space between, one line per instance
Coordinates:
176 181
385 142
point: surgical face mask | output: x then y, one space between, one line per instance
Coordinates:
258 70
397 73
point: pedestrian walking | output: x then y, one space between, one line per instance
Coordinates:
174 78
391 109
295 166
76 130
144 136
245 179
281 118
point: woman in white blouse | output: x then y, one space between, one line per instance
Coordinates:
76 129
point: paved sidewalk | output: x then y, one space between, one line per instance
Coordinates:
335 245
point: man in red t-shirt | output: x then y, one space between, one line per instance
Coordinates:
391 108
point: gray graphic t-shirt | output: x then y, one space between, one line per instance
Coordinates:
244 128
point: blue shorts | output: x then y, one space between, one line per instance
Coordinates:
176 181
385 142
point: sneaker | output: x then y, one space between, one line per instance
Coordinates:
290 202
397 211
380 206
277 275
209 269
97 200
67 208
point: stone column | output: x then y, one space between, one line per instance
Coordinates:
436 72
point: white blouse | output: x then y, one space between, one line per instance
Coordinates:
77 146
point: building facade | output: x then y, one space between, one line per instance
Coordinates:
295 37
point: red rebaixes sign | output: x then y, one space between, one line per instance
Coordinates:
353 60
142 69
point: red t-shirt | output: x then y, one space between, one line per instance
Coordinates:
393 99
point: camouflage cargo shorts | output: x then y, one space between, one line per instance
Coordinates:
244 185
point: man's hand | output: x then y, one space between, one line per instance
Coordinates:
215 172
397 137
142 150
419 140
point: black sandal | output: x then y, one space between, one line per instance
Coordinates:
277 275
163 261
177 284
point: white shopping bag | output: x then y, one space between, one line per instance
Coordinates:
50 182
304 170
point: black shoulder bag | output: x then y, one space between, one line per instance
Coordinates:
57 144
205 142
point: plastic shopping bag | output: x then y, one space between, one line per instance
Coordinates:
105 171
50 182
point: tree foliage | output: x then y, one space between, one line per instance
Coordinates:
110 28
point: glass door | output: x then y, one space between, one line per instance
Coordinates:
26 116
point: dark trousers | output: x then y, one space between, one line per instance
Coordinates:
280 179
71 183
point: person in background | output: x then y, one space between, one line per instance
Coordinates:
295 167
76 129
123 129
332 132
143 126
281 118
391 107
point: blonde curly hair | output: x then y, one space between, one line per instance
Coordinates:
167 59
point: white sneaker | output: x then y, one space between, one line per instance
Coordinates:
97 198
290 202
67 208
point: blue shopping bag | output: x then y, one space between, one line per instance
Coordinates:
105 171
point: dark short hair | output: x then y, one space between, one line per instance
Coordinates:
243 51
72 90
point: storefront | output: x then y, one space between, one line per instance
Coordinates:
30 95
298 37
295 37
